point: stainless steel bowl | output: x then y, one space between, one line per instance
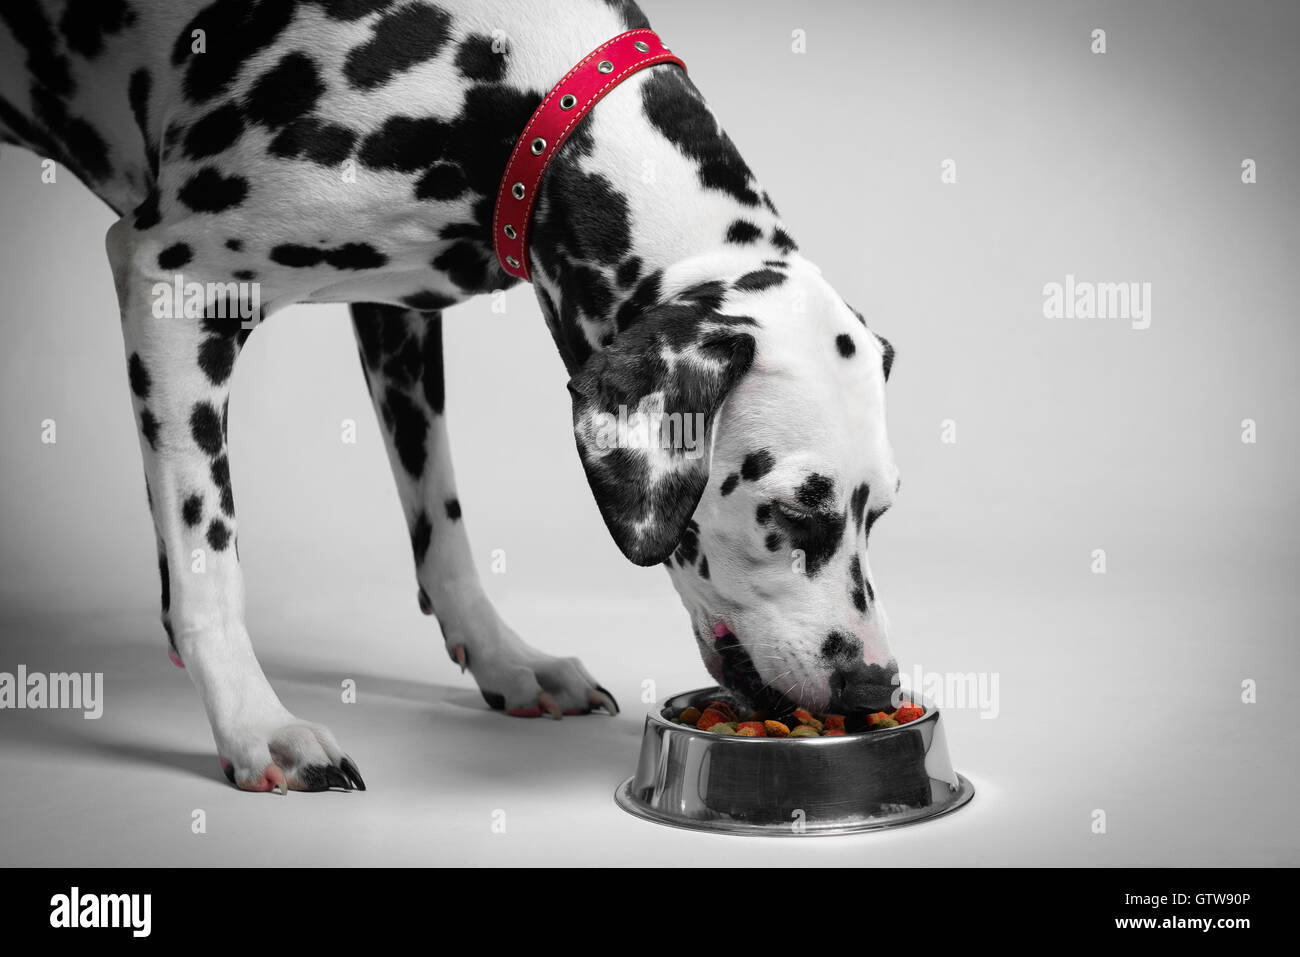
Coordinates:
791 786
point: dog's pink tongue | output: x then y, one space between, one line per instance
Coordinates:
720 630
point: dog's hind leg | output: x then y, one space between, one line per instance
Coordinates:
401 354
180 370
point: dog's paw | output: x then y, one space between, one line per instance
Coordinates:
526 683
287 755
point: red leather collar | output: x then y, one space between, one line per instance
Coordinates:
568 102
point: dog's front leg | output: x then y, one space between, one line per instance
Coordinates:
401 354
180 368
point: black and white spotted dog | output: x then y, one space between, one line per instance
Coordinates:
349 151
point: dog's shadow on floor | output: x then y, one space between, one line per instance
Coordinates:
448 728
50 733
471 740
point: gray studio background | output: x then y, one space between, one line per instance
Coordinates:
1119 692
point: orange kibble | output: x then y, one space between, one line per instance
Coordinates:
775 729
835 722
689 716
806 718
709 718
833 733
908 712
751 729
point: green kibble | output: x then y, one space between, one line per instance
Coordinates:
723 727
803 731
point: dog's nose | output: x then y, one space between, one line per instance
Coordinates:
863 687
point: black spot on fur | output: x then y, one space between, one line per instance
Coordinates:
314 140
443 181
139 376
235 31
759 280
139 89
175 257
421 535
218 535
704 567
586 218
453 509
147 214
816 492
465 264
408 426
149 428
858 585
286 92
427 301
628 271
244 275
844 343
208 191
742 231
887 357
215 132
217 358
676 109
818 538
773 541
688 547
166 582
478 61
432 380
782 241
708 294
221 478
235 245
756 465
763 514
206 428
402 39
406 143
34 32
348 256
858 503
729 483
86 24
192 510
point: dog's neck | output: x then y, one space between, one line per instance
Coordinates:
647 197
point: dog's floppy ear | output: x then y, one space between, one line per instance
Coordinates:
643 413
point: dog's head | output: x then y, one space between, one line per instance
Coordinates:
736 434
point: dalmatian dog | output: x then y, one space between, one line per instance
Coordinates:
349 151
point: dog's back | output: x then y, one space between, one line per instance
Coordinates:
112 89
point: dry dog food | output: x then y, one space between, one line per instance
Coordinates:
720 717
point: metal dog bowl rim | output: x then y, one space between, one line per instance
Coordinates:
624 798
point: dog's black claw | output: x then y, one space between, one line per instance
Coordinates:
617 709
337 778
497 702
350 769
